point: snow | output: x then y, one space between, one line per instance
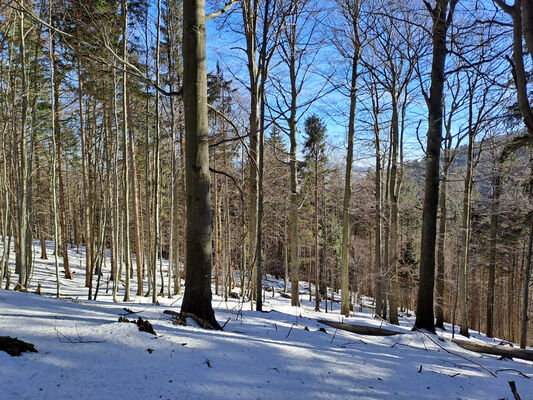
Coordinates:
84 353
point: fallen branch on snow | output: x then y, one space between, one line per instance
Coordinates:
497 350
360 329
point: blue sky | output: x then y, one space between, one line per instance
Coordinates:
224 45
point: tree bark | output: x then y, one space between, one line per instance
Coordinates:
61 184
139 254
441 239
317 249
393 199
521 30
527 274
346 231
54 155
465 239
494 220
361 329
21 167
126 172
424 308
527 17
377 216
293 168
85 179
197 297
498 350
250 15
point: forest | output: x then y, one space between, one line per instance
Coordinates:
347 149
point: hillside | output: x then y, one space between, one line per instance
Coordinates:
84 353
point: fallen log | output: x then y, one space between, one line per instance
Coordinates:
361 329
15 347
284 295
502 351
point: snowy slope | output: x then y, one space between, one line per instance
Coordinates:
84 353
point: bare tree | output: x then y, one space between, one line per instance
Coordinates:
442 18
350 11
297 50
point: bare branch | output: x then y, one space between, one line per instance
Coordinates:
223 10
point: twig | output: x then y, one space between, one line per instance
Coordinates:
455 354
460 356
513 389
334 334
129 312
225 323
290 330
343 345
79 339
512 369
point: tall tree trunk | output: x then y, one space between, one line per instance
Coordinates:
157 160
197 297
250 15
126 172
116 187
21 168
424 308
85 178
315 229
6 213
264 60
525 292
441 239
59 150
294 192
377 217
173 242
465 240
260 197
139 254
147 213
494 221
346 231
216 214
393 199
527 274
51 48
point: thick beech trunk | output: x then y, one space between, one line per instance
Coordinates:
424 308
197 297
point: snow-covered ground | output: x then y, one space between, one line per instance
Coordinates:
84 353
